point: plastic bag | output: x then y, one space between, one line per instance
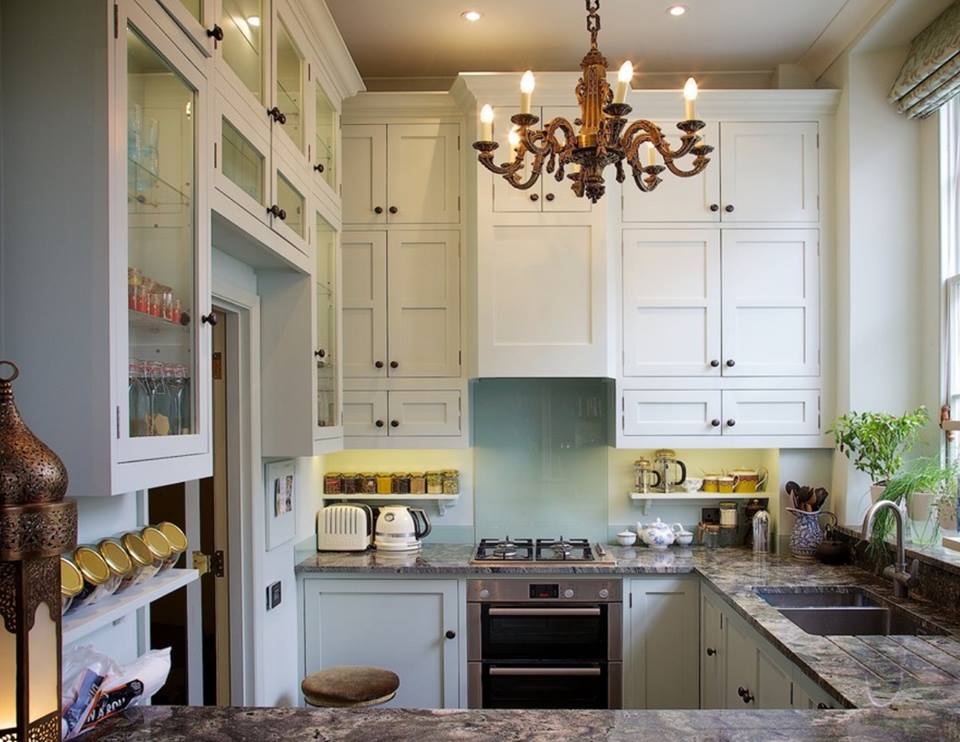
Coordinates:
96 688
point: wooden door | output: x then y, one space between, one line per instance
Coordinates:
424 303
424 413
423 173
771 302
364 259
693 199
769 172
365 414
364 180
670 412
771 412
671 302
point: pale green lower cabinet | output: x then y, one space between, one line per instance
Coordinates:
661 640
398 624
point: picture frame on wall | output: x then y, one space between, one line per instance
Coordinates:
280 500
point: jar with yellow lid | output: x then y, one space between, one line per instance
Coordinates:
98 580
177 539
71 583
158 545
119 562
144 562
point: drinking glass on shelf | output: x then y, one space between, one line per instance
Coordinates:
138 399
174 375
166 302
160 399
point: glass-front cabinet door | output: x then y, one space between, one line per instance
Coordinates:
324 145
166 341
242 171
196 21
242 22
289 87
288 210
327 342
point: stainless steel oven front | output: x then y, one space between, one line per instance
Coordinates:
543 643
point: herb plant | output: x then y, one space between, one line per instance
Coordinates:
876 441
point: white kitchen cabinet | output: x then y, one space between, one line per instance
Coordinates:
671 412
401 174
809 696
196 19
243 57
365 414
740 666
712 653
771 302
693 199
364 256
769 171
774 688
671 302
424 413
541 302
328 345
771 412
408 626
290 92
423 303
242 169
289 215
660 655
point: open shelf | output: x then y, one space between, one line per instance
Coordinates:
646 499
442 501
82 621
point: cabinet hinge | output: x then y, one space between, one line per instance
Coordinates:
458 144
310 71
459 357
116 21
458 203
214 155
118 422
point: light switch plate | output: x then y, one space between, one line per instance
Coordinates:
274 596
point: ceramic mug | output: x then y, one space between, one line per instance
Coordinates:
727 484
750 480
710 483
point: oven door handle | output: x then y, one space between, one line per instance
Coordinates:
574 612
546 671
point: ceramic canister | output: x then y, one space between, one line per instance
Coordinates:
711 482
727 484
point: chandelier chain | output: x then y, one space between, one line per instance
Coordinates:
593 21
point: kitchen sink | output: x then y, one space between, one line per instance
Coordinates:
846 611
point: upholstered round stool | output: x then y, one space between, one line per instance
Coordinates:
350 687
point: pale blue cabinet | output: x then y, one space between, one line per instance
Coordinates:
409 626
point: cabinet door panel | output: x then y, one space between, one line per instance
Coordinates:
506 198
362 411
774 685
423 173
770 172
558 196
424 303
712 653
772 412
677 199
344 625
364 180
740 667
671 302
671 412
364 256
771 302
663 644
424 413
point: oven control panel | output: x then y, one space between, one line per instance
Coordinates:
577 591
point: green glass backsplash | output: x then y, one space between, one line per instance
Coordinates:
541 458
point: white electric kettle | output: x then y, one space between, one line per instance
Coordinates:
400 528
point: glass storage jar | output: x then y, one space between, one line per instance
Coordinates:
119 562
71 583
384 483
418 483
159 399
451 482
401 483
138 399
158 545
351 484
144 562
434 483
333 483
98 580
368 483
177 539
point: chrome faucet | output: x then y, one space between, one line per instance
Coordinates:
903 577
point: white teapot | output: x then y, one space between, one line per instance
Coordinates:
658 535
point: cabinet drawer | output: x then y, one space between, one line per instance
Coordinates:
772 412
362 411
424 413
671 412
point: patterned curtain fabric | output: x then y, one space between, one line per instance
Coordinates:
931 75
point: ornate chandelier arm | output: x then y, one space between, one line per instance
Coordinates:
486 150
699 165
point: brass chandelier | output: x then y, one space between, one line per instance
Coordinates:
604 137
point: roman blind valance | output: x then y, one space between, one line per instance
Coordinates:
931 74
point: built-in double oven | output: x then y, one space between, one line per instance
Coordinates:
545 643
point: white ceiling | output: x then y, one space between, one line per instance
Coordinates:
428 38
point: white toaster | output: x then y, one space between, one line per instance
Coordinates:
344 528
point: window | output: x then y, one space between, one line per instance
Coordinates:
950 261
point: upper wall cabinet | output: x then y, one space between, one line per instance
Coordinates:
401 174
243 60
197 19
759 173
290 84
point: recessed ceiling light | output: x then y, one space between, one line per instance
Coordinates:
677 10
253 21
471 15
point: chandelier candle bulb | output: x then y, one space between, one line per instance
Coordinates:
689 96
651 155
623 82
527 84
514 139
486 123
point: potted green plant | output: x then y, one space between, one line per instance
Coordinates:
925 486
876 442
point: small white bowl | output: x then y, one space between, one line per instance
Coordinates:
626 538
684 539
692 485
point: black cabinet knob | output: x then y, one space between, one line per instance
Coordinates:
549 197
320 353
728 208
393 209
744 694
731 363
731 422
318 167
209 319
534 197
378 364
451 634
215 33
711 652
394 364
277 212
714 363
714 207
822 706
715 422
394 423
379 423
283 215
377 209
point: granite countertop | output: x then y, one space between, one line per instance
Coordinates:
859 672
238 724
